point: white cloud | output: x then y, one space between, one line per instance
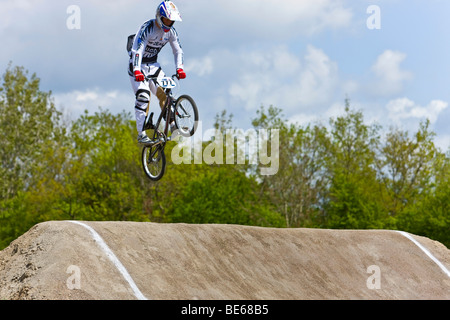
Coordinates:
88 95
75 102
390 77
335 110
200 66
404 108
303 119
443 142
9 8
284 79
318 79
270 18
244 79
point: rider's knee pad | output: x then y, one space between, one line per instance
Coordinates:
142 99
143 96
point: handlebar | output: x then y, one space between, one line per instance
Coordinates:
153 77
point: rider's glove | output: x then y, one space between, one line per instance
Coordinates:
139 76
181 74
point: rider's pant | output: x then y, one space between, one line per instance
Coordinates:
142 91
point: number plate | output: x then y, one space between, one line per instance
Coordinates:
166 83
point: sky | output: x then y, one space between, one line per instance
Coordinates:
389 57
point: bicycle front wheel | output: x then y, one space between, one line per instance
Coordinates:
186 115
154 162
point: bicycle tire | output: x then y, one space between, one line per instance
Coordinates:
186 116
158 160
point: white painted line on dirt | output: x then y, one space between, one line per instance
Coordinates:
428 253
138 294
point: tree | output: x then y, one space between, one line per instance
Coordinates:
106 176
406 167
29 130
353 200
221 194
28 127
436 208
297 189
429 212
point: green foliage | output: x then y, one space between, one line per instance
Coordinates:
223 195
352 177
345 175
354 189
298 189
107 162
429 214
28 131
27 121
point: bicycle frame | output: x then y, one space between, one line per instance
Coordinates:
166 112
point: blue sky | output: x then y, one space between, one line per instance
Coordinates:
303 56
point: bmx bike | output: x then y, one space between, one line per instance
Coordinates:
181 112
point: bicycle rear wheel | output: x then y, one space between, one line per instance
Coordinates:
186 115
154 162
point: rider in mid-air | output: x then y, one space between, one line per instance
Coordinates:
151 37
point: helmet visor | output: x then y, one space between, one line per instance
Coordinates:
167 22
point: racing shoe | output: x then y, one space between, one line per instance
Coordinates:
144 139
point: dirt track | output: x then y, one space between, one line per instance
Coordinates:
179 261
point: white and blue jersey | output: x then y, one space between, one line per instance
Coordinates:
149 41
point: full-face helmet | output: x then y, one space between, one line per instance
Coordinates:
166 15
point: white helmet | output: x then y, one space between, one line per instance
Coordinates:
167 9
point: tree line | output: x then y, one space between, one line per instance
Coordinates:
346 175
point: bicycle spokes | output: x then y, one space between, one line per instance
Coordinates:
186 115
154 162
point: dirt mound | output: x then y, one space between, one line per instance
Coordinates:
126 260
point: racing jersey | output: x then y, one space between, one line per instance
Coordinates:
149 41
